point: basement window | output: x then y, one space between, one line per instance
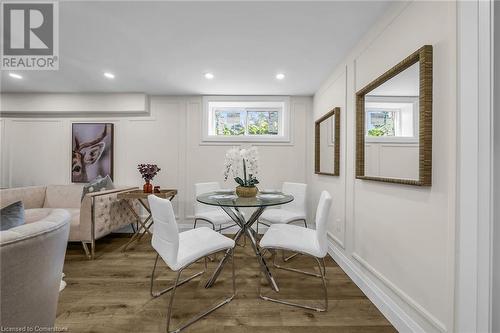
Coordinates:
245 119
391 119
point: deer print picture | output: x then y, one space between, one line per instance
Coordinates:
92 151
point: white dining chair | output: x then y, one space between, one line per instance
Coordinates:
294 211
180 250
213 215
301 240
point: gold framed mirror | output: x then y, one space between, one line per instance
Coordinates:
394 123
327 144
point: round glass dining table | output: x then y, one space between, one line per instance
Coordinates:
232 204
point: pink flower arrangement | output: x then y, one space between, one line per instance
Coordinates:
148 171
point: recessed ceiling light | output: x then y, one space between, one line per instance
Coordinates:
209 76
15 76
109 75
280 76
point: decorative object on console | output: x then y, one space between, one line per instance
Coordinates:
148 172
12 216
242 164
92 151
97 185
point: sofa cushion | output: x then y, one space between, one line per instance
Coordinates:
63 196
31 196
11 216
36 214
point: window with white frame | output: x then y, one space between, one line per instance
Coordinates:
246 119
391 118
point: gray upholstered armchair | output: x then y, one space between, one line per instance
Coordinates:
97 215
31 262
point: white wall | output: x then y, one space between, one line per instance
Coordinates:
37 150
397 241
392 160
496 205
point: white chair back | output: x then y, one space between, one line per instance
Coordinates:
165 232
201 188
298 190
324 204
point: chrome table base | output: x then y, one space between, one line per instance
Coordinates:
245 230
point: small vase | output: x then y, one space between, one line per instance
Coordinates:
246 191
148 187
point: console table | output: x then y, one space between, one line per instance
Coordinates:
143 225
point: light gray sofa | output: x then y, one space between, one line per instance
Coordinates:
97 215
31 262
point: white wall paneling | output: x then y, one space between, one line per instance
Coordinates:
397 239
37 150
496 217
332 95
395 160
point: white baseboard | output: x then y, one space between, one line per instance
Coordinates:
392 311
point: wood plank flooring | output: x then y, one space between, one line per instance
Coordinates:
111 294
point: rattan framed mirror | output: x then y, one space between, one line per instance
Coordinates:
394 123
327 144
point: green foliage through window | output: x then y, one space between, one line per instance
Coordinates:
380 123
232 122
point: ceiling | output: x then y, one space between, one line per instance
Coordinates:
166 47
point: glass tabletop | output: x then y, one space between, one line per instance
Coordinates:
232 200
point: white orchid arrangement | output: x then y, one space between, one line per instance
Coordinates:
242 165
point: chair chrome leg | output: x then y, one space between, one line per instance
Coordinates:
324 266
321 270
303 306
285 259
161 292
204 313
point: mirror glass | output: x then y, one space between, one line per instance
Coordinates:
392 127
327 144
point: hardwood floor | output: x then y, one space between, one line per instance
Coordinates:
111 294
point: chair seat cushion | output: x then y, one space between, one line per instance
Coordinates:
293 238
217 217
280 216
197 243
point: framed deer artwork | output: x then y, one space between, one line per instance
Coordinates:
92 154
